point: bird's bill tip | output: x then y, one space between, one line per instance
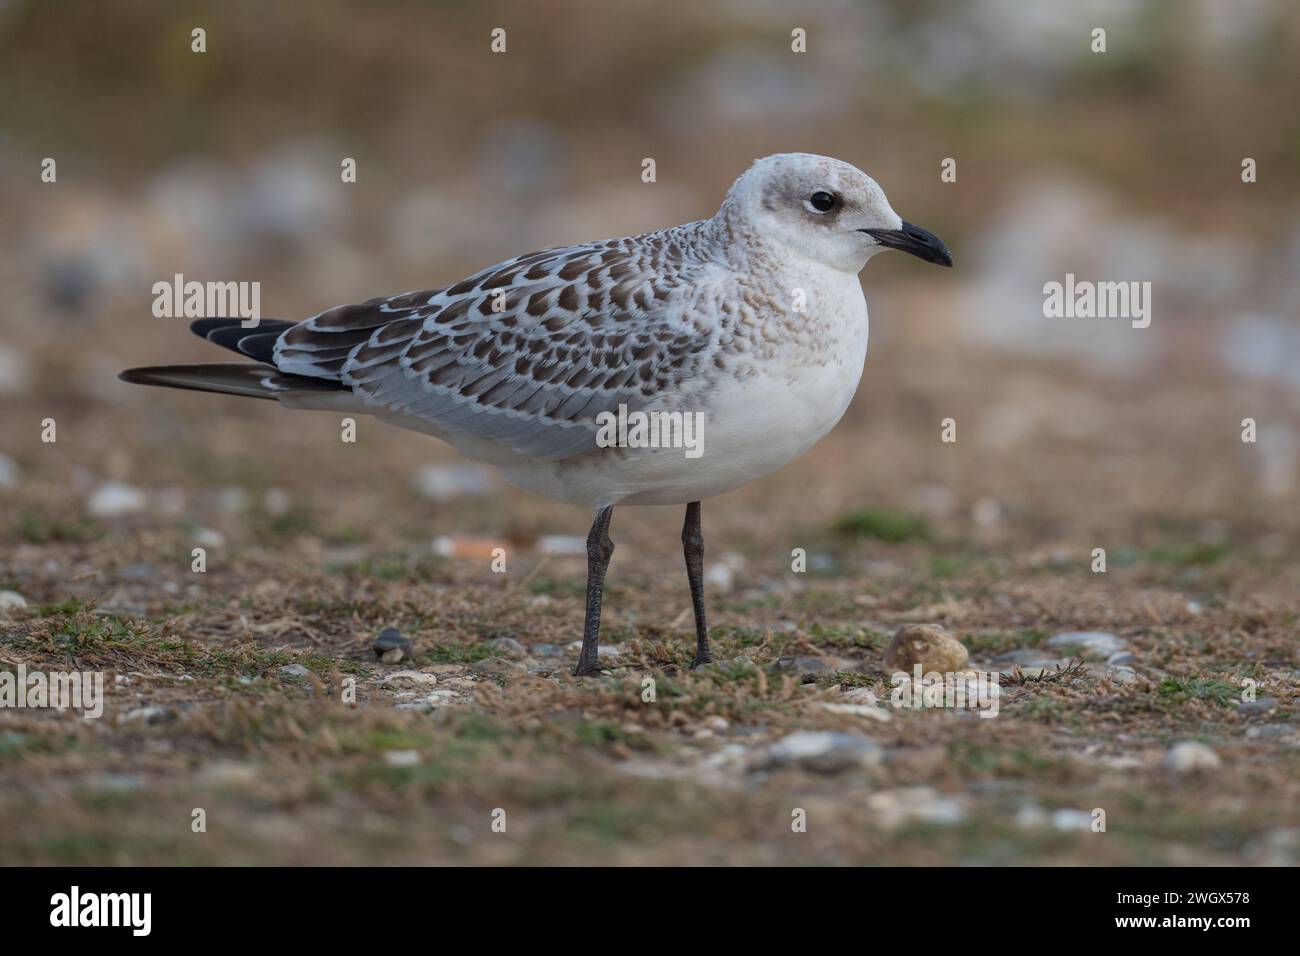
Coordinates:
912 239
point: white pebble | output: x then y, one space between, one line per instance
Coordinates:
1190 755
113 498
11 601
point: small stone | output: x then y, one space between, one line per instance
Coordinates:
294 672
150 715
825 752
506 647
496 666
562 545
1263 705
451 481
1028 659
870 711
807 669
411 677
276 502
1076 820
10 473
716 723
402 758
1118 674
1190 756
548 650
860 695
391 648
720 577
1090 645
1121 658
605 650
893 808
12 601
928 645
1270 731
114 498
209 538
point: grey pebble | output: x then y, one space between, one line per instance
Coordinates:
1261 706
391 648
807 669
1091 645
824 752
506 647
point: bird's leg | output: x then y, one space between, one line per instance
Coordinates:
599 550
693 548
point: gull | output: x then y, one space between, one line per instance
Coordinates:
752 320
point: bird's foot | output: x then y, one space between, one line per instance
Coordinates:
701 660
586 669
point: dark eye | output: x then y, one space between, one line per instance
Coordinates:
822 202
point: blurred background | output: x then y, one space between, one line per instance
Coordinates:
226 165
1072 434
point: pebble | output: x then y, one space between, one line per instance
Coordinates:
605 650
1030 661
1270 731
232 499
807 669
1189 756
1122 658
10 473
494 666
209 538
414 677
1250 707
860 695
276 502
452 481
548 650
1069 820
402 758
1090 645
869 711
928 645
1119 674
892 808
562 545
825 752
506 647
150 715
114 498
294 672
720 577
390 647
12 601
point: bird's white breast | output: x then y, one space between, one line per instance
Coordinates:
772 410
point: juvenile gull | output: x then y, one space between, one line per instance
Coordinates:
753 318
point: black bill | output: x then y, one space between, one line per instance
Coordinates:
919 242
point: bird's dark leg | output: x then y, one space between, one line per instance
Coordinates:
599 550
693 547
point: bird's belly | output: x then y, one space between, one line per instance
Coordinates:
747 429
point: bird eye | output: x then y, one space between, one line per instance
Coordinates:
822 201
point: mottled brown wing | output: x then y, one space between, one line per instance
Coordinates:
526 353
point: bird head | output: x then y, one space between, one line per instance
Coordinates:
827 211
